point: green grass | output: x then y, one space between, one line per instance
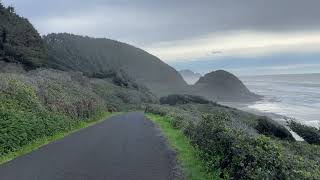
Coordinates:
38 143
193 167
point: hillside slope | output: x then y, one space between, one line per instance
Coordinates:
19 41
99 55
41 103
189 76
223 86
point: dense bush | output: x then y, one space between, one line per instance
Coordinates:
41 103
78 96
183 99
119 97
309 134
271 128
156 110
229 146
24 119
118 77
238 156
240 120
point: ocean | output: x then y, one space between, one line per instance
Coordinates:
293 96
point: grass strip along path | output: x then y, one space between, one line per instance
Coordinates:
193 167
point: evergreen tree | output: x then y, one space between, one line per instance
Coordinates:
4 36
11 9
3 39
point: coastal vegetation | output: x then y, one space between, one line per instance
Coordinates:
52 86
44 103
19 40
238 145
39 104
188 156
309 134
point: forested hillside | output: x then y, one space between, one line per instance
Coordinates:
19 41
97 56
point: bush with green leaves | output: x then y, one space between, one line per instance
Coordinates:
24 119
78 96
44 102
19 41
238 156
309 134
183 99
270 128
232 146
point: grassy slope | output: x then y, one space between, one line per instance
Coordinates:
38 143
193 167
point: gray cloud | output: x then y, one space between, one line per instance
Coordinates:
150 21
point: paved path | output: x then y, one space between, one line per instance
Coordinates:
124 147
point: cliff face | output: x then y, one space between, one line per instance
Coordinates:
19 41
223 86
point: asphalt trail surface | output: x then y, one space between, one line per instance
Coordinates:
124 147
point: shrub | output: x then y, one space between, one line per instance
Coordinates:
183 99
178 121
44 102
309 134
271 128
155 110
67 95
23 118
239 157
239 154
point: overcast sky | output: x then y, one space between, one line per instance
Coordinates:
243 36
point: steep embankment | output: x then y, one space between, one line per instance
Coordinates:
19 41
99 55
223 86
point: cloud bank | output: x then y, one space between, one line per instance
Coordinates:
238 44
